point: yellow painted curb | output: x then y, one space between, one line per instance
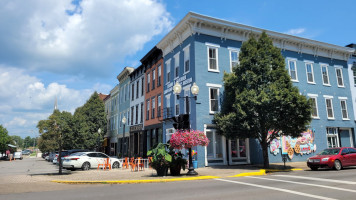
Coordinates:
137 181
260 173
283 170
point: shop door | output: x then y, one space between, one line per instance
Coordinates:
238 152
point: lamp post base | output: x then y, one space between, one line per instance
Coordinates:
192 172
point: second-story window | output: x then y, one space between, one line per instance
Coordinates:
214 100
168 70
329 107
213 61
142 86
186 59
137 88
159 106
132 115
234 58
141 119
133 91
136 119
153 108
148 110
345 115
177 105
148 82
176 65
153 79
340 79
159 76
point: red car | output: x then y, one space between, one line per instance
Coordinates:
336 158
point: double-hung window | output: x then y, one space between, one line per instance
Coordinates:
159 76
354 75
137 88
142 110
176 105
315 112
168 106
213 61
168 70
153 108
339 77
186 59
333 137
159 106
186 104
329 107
176 66
132 115
142 86
310 72
214 96
133 91
325 74
343 105
153 79
234 58
136 119
293 70
148 81
147 109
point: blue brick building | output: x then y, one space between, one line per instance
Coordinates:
201 48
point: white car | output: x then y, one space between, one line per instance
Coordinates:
18 155
87 160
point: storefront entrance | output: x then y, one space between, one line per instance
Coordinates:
238 151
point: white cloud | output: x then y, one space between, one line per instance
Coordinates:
88 41
25 99
296 31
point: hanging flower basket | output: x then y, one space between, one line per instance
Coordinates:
188 138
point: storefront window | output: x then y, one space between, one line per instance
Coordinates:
215 147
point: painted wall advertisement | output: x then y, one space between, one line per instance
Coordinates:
288 145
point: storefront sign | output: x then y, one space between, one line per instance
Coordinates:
136 128
182 80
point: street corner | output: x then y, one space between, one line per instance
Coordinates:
137 181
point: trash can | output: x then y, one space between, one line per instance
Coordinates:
195 164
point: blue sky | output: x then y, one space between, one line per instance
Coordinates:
70 50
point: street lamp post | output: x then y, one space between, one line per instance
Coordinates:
98 139
123 137
177 88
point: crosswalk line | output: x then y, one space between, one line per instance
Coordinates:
317 179
309 184
278 189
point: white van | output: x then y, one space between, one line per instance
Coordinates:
18 155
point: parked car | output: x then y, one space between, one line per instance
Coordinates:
87 160
26 152
18 155
45 154
336 158
51 156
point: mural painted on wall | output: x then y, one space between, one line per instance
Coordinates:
290 146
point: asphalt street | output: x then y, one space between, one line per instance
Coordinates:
322 184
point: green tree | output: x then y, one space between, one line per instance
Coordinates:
5 139
28 142
259 97
55 132
18 140
87 121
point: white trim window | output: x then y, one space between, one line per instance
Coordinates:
234 58
159 106
343 105
186 109
168 70
215 148
168 106
329 107
325 74
159 76
176 66
147 109
292 65
186 59
153 101
333 137
213 60
339 77
315 112
148 81
213 100
153 79
310 72
354 76
176 105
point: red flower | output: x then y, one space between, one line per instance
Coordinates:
188 139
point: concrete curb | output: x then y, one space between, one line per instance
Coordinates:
262 172
137 181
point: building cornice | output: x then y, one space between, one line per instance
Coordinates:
125 74
194 23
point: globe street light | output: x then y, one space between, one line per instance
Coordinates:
98 139
177 89
123 137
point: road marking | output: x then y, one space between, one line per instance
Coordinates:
316 185
279 189
318 179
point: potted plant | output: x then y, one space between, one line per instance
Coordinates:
161 158
178 162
